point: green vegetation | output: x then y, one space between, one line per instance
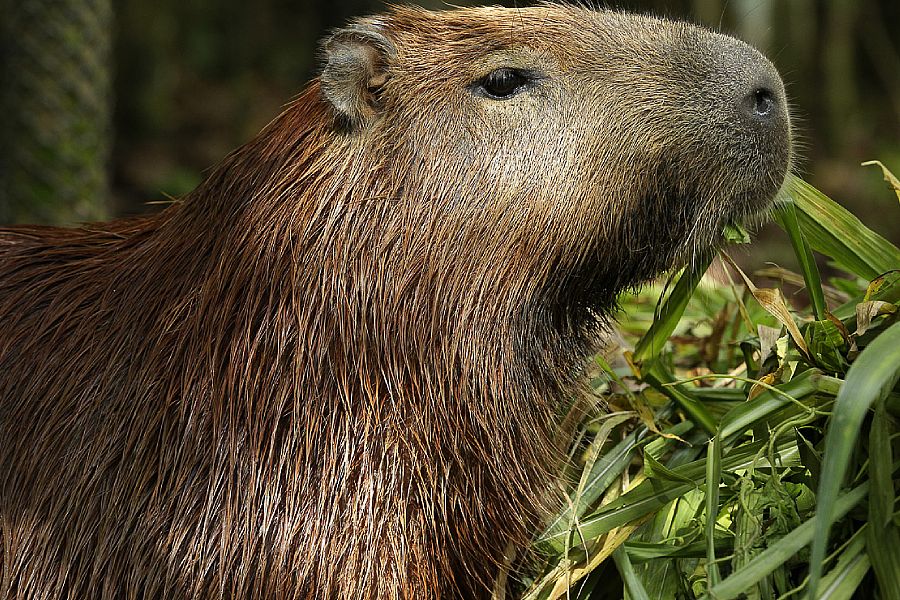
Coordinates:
751 442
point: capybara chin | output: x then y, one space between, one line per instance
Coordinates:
338 368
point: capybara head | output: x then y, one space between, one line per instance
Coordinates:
601 145
339 368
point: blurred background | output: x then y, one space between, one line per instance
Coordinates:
109 106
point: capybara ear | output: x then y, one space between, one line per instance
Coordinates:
356 67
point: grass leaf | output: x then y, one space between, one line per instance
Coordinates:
652 343
888 176
832 230
869 380
883 538
842 581
778 553
787 218
632 583
713 478
652 494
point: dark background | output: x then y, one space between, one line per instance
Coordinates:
192 80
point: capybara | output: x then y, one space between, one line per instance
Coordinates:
339 367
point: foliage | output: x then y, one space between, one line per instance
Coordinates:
750 446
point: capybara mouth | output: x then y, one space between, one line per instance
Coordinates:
752 207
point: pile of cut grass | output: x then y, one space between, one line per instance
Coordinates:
750 446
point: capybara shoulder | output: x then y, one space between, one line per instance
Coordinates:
339 368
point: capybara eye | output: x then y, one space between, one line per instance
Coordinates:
503 83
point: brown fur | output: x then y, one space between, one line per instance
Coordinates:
336 369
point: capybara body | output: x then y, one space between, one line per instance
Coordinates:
338 368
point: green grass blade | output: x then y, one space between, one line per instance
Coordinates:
632 583
883 539
881 463
869 380
652 494
713 477
882 544
661 379
835 232
778 553
652 343
842 581
650 551
787 218
744 416
602 473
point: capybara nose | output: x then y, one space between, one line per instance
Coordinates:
761 98
744 111
760 93
761 103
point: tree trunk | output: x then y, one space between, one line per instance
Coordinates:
55 107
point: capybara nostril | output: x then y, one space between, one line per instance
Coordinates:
762 102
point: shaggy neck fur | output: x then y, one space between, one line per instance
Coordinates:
291 384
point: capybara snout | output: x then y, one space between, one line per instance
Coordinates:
748 115
341 367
